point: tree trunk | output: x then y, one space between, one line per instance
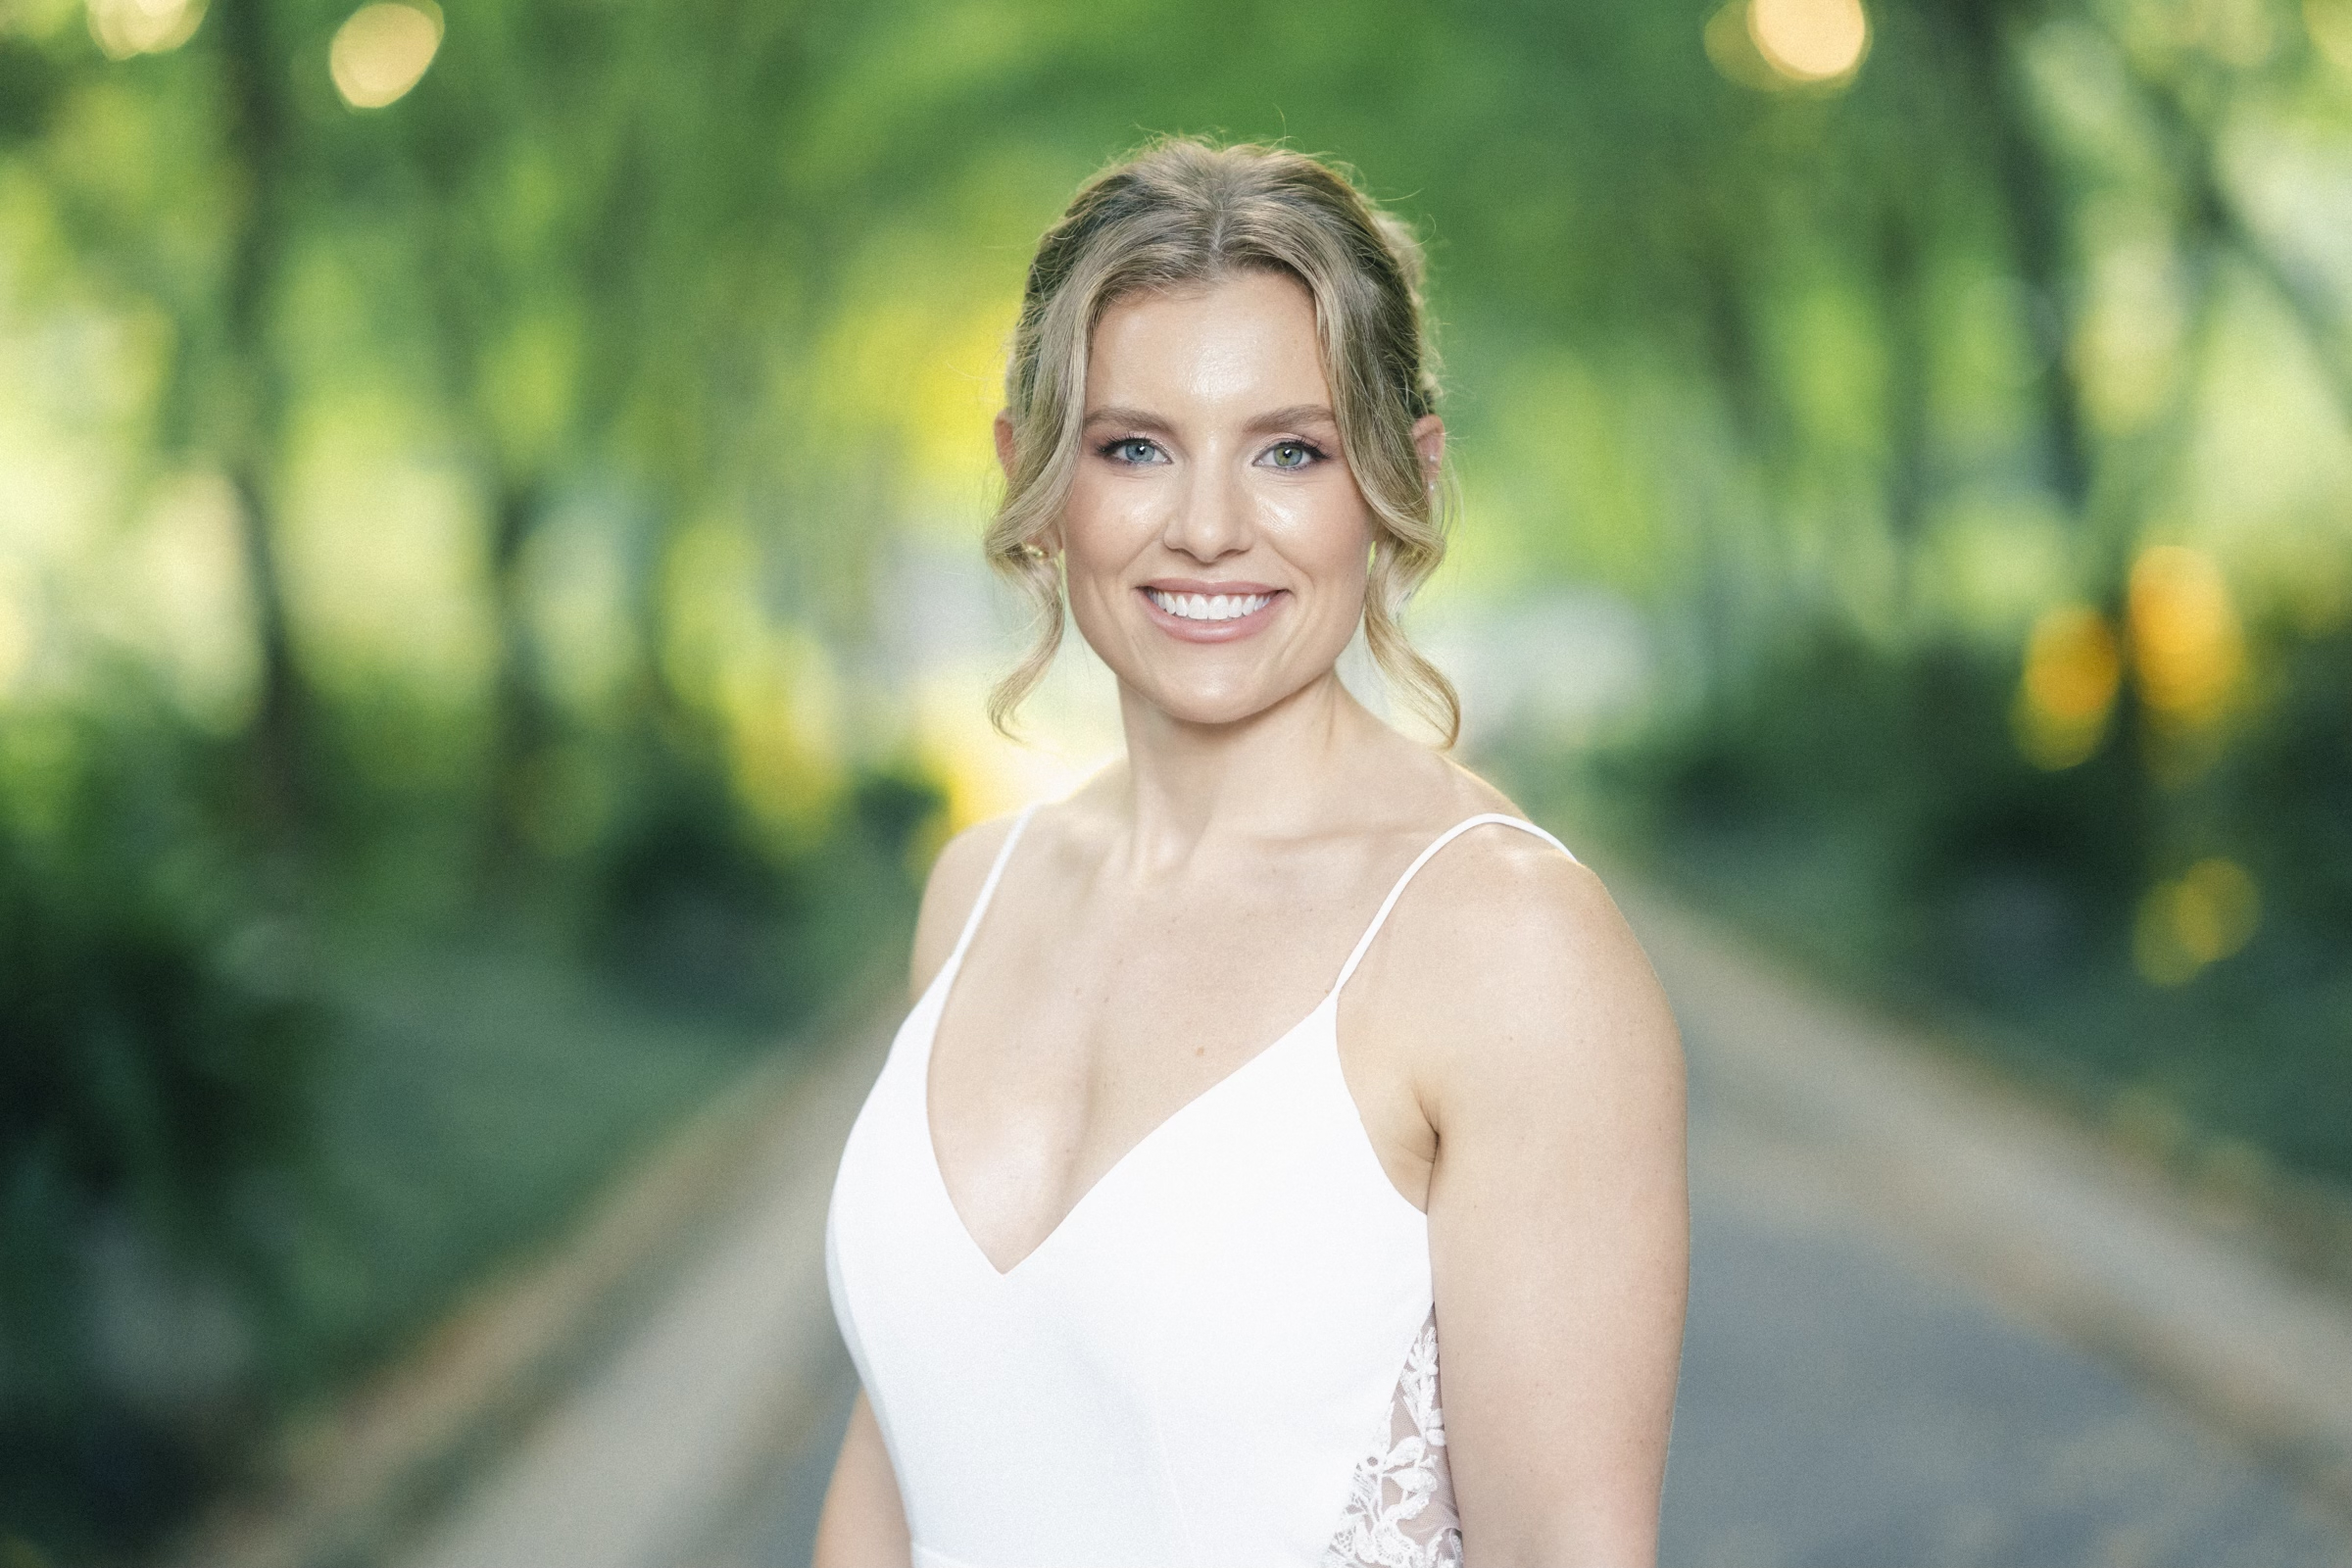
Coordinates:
1902 283
520 720
2036 219
255 97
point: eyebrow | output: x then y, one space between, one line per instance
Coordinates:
1133 419
1296 414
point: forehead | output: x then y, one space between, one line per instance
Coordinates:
1244 342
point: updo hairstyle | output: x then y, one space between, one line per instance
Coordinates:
1184 214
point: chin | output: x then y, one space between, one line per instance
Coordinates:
1213 703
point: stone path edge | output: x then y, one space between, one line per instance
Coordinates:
343 1486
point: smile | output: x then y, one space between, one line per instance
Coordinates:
1210 607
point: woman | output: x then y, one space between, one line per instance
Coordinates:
1124 1282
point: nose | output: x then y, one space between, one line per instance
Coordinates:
1211 519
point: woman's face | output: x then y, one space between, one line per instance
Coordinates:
1215 540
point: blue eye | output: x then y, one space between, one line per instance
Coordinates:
1131 450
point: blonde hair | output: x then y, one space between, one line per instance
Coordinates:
1182 212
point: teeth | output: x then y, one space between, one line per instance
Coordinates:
1210 607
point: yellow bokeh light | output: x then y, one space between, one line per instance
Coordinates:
2216 908
2067 689
2210 912
382 50
126 27
1810 40
2187 647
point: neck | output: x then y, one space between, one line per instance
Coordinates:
1188 782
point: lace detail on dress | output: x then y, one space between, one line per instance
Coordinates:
1400 1511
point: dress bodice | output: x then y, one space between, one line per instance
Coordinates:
1224 1354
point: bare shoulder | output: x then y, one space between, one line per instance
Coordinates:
1509 964
1503 906
951 891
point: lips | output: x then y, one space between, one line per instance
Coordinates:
1208 607
1210 612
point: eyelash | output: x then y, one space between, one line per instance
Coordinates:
1111 450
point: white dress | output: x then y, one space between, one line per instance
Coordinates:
1225 1355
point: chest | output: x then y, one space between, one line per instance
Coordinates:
1079 1025
1082 1017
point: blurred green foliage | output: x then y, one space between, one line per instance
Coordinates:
1868 815
501 498
151 1096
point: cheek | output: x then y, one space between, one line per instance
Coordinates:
1100 527
1350 557
1329 537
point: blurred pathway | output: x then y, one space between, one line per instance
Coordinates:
1933 1323
1929 1324
655 1456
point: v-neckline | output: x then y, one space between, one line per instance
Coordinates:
940 992
945 983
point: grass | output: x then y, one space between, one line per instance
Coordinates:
478 1094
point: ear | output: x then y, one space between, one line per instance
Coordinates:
1005 450
1428 440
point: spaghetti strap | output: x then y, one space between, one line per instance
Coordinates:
1364 943
988 889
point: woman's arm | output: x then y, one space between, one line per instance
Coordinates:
1559 1220
863 1524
